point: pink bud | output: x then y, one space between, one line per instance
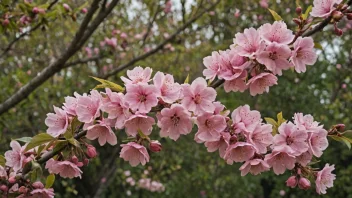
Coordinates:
338 32
299 10
74 159
5 22
22 190
4 188
343 86
337 15
304 183
292 181
86 161
66 7
38 185
338 66
123 35
349 16
91 151
35 10
12 180
340 127
84 10
155 146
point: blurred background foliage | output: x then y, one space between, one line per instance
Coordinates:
184 167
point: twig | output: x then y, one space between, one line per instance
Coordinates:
160 46
150 25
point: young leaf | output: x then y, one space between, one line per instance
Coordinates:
74 142
2 160
273 123
276 16
38 140
50 181
280 119
306 14
341 139
108 84
318 46
187 80
24 139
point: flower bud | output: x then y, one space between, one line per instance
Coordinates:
297 21
5 22
349 16
74 159
340 127
299 10
155 146
86 161
35 10
66 7
84 10
337 15
4 188
91 152
338 32
292 181
38 185
22 190
304 183
12 180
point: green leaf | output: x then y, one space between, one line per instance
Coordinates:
306 13
187 79
280 119
2 160
298 3
273 123
40 149
74 142
50 181
108 84
318 46
347 134
342 139
38 140
276 16
24 139
60 145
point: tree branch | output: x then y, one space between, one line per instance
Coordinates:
160 46
80 38
150 25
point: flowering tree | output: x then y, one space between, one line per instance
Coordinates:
156 102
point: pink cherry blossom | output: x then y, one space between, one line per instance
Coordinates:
293 139
213 64
88 106
140 122
220 144
210 126
57 123
323 8
65 169
304 158
325 179
261 137
254 166
141 97
14 158
219 109
198 97
306 122
3 173
169 90
280 161
43 193
137 75
318 142
276 32
237 84
103 132
116 107
303 54
275 58
70 104
249 43
264 3
134 153
244 119
261 83
239 152
174 121
235 65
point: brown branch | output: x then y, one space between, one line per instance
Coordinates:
81 61
80 38
150 25
160 46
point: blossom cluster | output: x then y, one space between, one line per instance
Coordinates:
257 56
